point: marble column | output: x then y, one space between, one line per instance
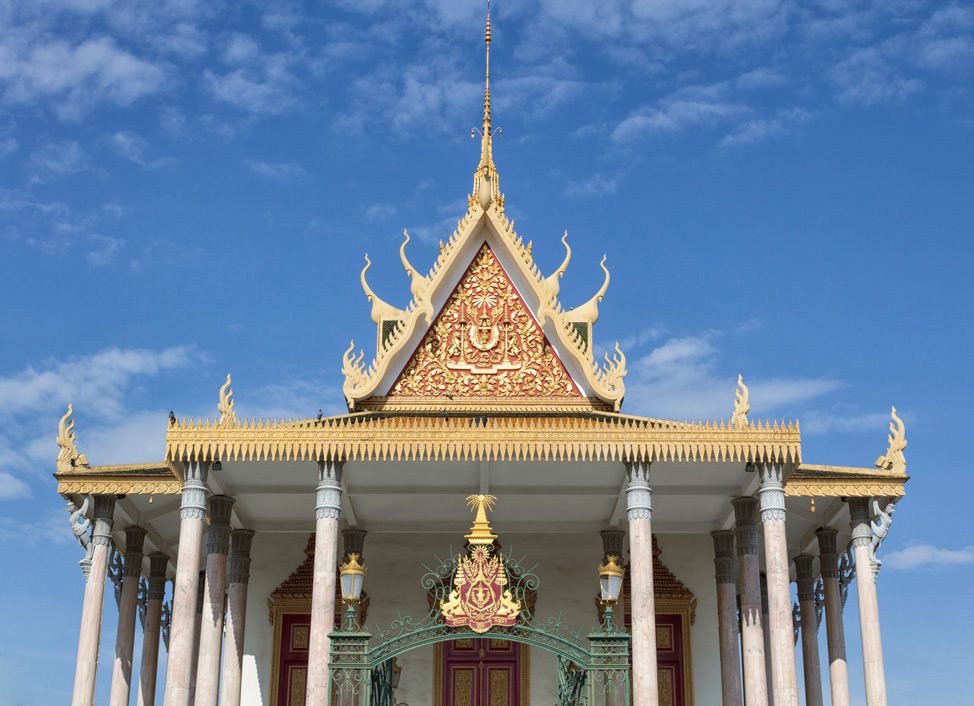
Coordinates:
766 622
730 658
872 644
327 511
784 666
645 691
752 631
834 630
238 577
88 642
186 586
156 592
197 628
127 615
214 600
809 628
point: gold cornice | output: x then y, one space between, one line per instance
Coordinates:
810 480
127 479
564 438
525 405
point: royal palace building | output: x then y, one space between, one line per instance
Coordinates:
612 559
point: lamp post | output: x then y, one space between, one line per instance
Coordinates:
610 582
352 578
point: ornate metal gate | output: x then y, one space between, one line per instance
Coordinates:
593 669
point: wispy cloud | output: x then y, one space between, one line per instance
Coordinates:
281 171
688 107
872 76
595 185
56 159
753 131
918 556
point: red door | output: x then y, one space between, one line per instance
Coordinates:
669 660
481 672
293 679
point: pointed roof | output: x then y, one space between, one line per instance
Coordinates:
401 332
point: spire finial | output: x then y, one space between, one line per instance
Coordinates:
485 184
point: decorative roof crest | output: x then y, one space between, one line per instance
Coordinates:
486 185
894 460
741 406
68 457
480 532
227 415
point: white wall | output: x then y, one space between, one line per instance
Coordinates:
568 565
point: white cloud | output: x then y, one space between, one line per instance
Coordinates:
819 422
753 131
129 146
7 146
380 212
53 526
926 555
282 171
73 77
57 159
95 382
595 185
688 107
12 487
871 76
103 249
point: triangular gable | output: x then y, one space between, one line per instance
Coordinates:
484 348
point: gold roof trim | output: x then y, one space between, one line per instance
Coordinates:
844 481
367 437
126 479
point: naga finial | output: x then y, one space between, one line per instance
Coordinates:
381 311
894 460
227 415
420 285
550 285
68 457
589 311
741 406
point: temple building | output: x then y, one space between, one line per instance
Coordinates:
484 527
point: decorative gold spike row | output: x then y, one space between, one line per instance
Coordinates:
502 439
119 486
852 488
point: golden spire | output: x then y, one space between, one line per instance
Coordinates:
481 533
485 184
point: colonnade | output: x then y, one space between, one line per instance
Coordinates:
203 669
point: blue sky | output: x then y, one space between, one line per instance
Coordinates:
783 189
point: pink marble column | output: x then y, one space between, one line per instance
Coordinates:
645 691
784 667
752 631
327 511
88 642
185 587
197 628
834 630
149 665
730 658
239 576
766 622
809 627
872 644
127 614
214 600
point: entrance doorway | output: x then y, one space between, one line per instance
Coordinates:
481 672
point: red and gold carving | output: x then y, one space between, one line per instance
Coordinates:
480 599
485 343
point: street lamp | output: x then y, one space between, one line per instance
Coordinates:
610 579
352 578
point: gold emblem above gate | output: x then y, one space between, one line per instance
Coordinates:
480 599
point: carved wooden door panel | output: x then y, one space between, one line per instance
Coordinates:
293 673
669 660
481 672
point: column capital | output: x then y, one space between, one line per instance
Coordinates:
329 490
134 541
195 490
158 563
862 534
612 543
104 514
218 537
724 560
638 493
772 491
353 542
805 578
746 528
239 567
828 555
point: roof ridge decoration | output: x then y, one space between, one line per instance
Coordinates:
571 329
68 457
741 405
225 406
894 460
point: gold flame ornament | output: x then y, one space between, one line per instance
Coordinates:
480 598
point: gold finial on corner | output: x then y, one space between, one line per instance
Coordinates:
485 182
480 532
